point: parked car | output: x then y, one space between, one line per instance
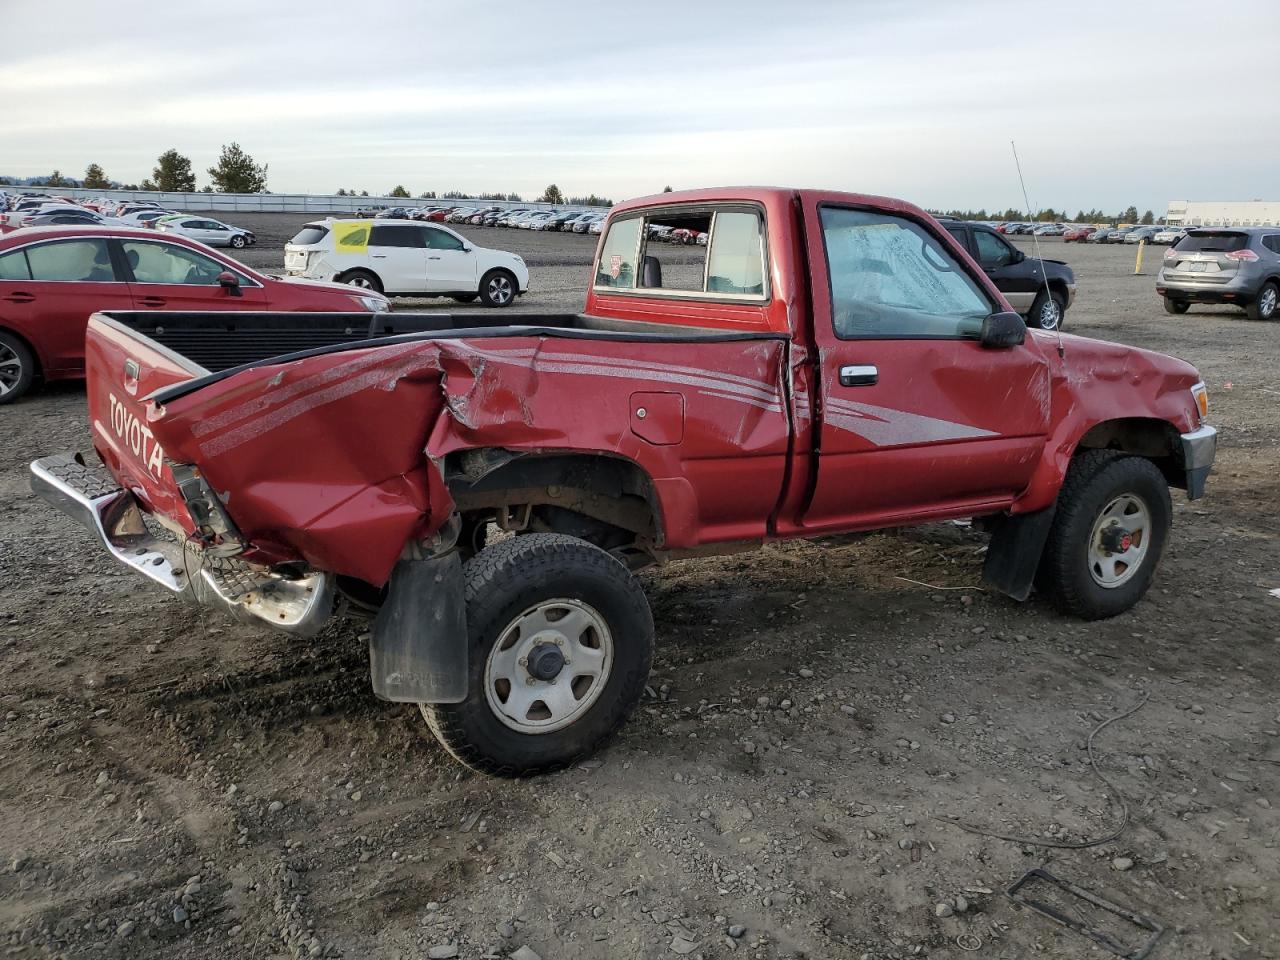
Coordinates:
1139 234
1050 230
52 278
1041 290
213 232
854 341
143 218
1077 234
439 215
1235 265
1169 235
1099 236
406 258
1117 234
597 227
54 217
584 224
495 217
534 220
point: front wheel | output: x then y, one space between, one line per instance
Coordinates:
498 288
1047 311
239 241
561 639
1265 304
1176 307
1112 521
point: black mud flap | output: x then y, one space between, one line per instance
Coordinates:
418 650
1017 543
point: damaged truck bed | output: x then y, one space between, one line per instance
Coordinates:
835 364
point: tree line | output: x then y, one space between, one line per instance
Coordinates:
1050 215
235 172
552 194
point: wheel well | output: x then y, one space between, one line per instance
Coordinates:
31 348
606 499
348 272
1059 286
1157 440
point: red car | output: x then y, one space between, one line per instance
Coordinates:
1077 235
53 278
840 365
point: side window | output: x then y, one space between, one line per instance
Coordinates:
736 259
13 266
71 260
168 263
397 235
1272 242
617 265
439 240
891 279
992 251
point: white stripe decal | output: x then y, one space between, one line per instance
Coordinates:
886 427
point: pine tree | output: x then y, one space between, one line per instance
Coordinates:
398 191
172 174
237 172
94 178
551 195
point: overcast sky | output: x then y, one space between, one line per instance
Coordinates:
1110 103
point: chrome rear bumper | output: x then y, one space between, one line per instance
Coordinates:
90 496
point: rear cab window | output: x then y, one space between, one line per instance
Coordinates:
708 252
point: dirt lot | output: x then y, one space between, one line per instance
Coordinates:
173 784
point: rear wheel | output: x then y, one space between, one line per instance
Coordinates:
1108 534
561 639
1047 311
17 368
498 288
362 279
1175 307
1264 306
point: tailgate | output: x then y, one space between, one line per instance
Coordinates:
122 368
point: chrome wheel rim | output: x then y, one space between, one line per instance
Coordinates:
569 630
500 290
364 283
1126 519
10 369
1050 315
1267 302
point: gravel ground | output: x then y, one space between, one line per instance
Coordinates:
178 785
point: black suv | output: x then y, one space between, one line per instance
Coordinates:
1040 290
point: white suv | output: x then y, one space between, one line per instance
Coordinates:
405 258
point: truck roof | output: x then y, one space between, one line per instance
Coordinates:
770 197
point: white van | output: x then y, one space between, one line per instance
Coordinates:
406 258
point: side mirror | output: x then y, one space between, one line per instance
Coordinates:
230 284
1018 256
1002 330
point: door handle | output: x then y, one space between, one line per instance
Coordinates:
377 256
19 297
859 375
433 258
152 301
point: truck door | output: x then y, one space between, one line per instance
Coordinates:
918 419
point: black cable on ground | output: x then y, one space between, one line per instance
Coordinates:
1068 844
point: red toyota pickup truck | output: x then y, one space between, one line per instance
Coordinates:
826 363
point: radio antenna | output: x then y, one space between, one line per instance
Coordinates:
1035 242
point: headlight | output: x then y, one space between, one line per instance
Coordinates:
1201 393
373 304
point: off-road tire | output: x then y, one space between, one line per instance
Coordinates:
370 280
507 578
13 350
1176 307
1093 480
1266 305
1043 298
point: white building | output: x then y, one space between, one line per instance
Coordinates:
1224 213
